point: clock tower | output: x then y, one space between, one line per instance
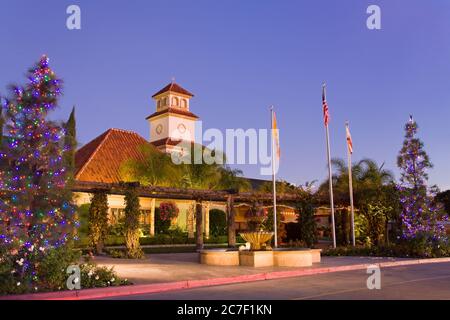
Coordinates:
172 122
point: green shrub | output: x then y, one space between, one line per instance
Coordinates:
97 277
281 227
306 221
117 229
83 218
403 250
51 273
217 223
132 213
98 220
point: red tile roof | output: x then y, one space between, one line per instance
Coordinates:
174 88
173 110
100 160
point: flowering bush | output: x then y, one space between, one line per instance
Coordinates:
96 277
51 275
164 215
168 211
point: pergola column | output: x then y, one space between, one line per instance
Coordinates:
207 205
231 217
190 220
152 217
199 224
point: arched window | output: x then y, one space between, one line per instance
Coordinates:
184 103
175 101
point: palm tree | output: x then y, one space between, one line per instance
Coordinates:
372 185
232 179
156 170
368 181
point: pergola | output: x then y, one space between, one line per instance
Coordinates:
230 197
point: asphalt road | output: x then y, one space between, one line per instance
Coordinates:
428 281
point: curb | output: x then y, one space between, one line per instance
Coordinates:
98 293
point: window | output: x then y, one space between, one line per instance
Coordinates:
184 104
175 101
144 218
116 215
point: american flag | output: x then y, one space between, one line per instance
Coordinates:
326 115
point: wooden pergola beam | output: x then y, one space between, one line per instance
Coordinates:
179 193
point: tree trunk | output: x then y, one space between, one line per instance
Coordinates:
99 247
199 224
231 215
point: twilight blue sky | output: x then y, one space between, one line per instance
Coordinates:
238 57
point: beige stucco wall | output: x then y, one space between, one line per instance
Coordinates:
118 201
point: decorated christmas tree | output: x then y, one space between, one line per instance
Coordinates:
36 214
421 216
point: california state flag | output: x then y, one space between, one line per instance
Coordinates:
349 140
275 136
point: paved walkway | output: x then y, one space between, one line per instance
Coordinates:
169 267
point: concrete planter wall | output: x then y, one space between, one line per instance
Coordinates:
219 257
256 258
278 258
291 258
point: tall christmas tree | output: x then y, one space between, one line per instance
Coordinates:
421 216
36 214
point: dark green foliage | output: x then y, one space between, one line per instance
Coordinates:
70 145
293 231
83 217
52 273
98 277
419 249
98 220
132 213
161 226
343 226
376 218
54 265
217 222
281 228
444 198
306 221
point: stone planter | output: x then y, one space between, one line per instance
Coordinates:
277 257
256 258
315 253
292 258
219 257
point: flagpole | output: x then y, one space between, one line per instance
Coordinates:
274 182
350 186
333 231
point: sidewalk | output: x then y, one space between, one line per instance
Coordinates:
167 267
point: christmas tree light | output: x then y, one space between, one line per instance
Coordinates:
421 216
36 214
